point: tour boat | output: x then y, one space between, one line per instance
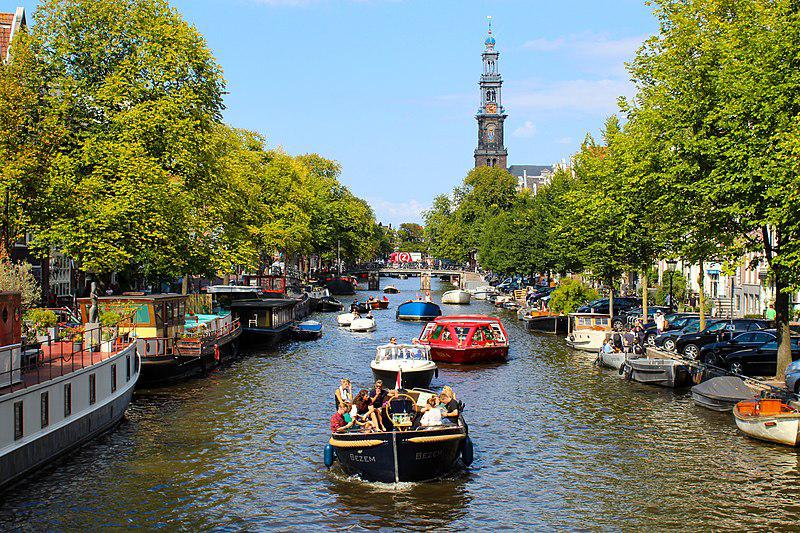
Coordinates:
418 310
411 361
307 330
587 331
466 339
328 304
457 297
664 372
168 349
54 399
391 289
768 419
363 325
722 393
405 453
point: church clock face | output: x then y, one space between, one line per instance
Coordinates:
491 108
490 132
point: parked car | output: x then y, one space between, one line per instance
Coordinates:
792 376
690 343
541 293
666 340
716 352
675 322
621 305
760 361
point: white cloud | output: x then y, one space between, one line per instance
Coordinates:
396 213
294 3
589 44
595 97
527 130
564 140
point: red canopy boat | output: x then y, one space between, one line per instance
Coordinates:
466 339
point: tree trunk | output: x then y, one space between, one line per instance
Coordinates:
45 262
645 282
782 317
611 302
226 279
185 284
701 300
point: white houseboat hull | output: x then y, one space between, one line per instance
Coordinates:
64 431
586 340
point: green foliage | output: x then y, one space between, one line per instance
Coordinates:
410 237
17 277
571 294
678 289
110 318
40 320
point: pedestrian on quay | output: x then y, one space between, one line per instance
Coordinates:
628 339
660 322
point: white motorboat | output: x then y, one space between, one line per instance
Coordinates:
482 292
457 297
363 324
345 319
587 331
412 361
613 360
768 419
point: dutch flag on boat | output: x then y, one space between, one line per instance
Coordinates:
399 384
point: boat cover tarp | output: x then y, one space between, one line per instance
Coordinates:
725 388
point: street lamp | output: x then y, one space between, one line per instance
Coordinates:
671 264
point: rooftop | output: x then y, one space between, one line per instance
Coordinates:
9 25
529 170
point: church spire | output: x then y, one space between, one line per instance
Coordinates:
491 115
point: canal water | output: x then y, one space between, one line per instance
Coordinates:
559 443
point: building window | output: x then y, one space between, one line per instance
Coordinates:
67 399
45 402
127 368
113 378
18 429
92 389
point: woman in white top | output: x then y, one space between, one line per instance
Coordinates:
432 415
344 394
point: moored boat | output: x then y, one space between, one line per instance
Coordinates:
722 393
307 330
60 398
482 292
466 339
613 360
266 322
587 331
412 361
372 305
768 419
456 297
341 285
328 304
391 289
547 322
664 372
418 310
406 453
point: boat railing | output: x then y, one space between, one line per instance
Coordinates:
202 334
27 364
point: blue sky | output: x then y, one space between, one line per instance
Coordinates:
389 87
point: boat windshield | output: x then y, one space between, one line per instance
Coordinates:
388 352
461 333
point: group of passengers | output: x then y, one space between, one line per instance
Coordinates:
368 410
628 340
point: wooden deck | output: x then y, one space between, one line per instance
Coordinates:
55 360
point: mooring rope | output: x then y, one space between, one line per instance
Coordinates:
436 438
363 443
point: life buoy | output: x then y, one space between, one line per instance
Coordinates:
216 352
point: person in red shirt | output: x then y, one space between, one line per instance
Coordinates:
338 422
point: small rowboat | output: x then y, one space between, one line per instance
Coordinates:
345 319
363 307
362 325
768 419
308 330
657 371
722 393
418 310
457 297
391 289
329 303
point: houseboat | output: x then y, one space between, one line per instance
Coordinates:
546 322
170 351
466 339
58 399
406 452
265 322
587 331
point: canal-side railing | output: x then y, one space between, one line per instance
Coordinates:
25 365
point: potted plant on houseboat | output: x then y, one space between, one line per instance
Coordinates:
42 322
109 321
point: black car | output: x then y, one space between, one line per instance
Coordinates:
690 344
760 361
675 323
716 352
621 305
540 293
667 339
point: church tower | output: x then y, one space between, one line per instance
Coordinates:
491 115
